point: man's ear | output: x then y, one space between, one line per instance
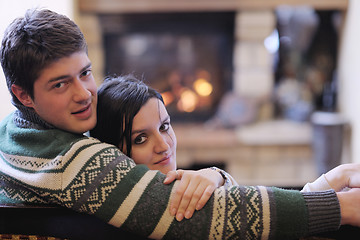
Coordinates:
22 95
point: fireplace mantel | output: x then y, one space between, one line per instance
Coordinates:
252 73
144 6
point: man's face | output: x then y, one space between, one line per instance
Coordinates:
65 94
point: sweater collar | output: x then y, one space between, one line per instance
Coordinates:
25 117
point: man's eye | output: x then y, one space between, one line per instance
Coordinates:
59 85
140 139
85 73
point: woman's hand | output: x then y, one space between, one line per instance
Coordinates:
193 191
339 178
347 176
349 207
344 176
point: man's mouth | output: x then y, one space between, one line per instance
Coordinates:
82 110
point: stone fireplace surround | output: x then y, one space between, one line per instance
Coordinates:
255 20
271 162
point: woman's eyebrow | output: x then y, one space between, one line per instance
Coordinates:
167 118
138 131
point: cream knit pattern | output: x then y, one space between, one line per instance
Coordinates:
46 165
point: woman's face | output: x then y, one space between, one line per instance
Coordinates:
153 139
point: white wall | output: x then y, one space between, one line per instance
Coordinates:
9 10
349 75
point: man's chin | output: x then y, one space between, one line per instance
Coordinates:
81 127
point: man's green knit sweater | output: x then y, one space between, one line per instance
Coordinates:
41 164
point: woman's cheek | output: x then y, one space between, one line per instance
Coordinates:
141 156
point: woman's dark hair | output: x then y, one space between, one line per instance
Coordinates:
119 100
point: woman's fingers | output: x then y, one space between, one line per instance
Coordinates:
192 192
178 192
188 188
200 197
205 197
171 176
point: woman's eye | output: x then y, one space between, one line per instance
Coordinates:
164 127
140 139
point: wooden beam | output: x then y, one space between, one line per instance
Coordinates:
147 6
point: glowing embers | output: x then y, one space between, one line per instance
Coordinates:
191 94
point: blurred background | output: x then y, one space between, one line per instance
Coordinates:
266 90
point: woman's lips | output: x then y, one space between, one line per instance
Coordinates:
164 161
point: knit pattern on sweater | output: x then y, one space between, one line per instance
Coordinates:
40 166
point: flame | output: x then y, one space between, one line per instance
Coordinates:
188 101
203 87
168 97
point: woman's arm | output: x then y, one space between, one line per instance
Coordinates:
195 189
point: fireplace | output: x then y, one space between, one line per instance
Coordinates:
256 154
195 52
187 57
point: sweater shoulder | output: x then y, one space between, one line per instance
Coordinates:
40 143
34 150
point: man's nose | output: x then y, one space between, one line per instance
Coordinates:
81 92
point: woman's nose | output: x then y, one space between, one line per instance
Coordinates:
161 144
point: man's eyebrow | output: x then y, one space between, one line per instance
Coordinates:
67 76
86 67
58 78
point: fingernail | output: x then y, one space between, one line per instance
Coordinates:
198 207
173 211
165 179
179 217
187 214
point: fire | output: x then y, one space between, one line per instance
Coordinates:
188 101
168 97
188 93
203 87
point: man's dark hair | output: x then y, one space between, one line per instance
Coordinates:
33 42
